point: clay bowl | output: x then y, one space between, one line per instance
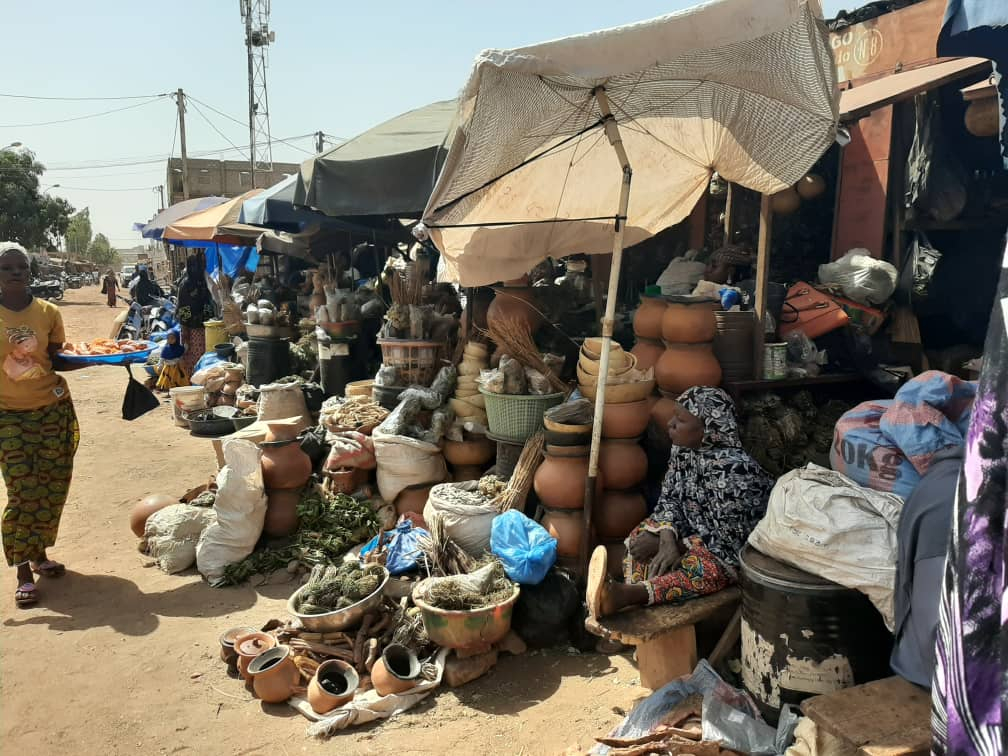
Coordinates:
625 420
556 427
334 683
620 393
412 500
396 671
555 438
591 367
476 450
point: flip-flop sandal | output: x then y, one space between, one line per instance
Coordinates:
597 573
49 569
26 595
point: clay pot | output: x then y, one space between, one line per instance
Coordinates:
282 430
396 671
481 301
619 512
647 352
982 117
412 500
686 365
476 450
248 647
625 420
281 511
516 303
145 508
335 682
810 186
622 463
690 322
662 411
567 526
467 472
617 553
274 675
785 201
647 320
560 481
284 465
228 654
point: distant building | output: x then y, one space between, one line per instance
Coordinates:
222 178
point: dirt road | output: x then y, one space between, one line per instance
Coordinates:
122 659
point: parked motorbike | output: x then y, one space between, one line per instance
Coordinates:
51 288
74 282
150 323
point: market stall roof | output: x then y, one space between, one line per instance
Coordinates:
218 223
155 227
388 170
744 88
859 101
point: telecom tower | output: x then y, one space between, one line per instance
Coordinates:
255 14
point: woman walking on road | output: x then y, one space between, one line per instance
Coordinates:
38 426
110 287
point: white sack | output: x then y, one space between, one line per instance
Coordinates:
468 524
824 523
240 508
171 535
404 462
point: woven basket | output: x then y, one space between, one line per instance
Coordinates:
515 418
416 361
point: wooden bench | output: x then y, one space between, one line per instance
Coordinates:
665 635
889 717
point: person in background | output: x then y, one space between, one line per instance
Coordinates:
727 264
195 307
38 426
110 288
713 495
145 291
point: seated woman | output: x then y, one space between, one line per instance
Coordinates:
713 495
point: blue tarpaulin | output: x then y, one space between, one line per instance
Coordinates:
231 257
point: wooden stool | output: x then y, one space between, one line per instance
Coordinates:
664 635
889 717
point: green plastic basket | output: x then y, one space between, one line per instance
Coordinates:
515 418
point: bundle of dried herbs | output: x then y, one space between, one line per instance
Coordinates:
332 587
486 586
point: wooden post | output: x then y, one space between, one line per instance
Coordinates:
762 274
729 221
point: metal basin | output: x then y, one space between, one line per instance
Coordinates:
341 619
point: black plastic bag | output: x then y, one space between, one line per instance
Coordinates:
918 271
139 399
544 613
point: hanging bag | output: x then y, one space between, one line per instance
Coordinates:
918 270
139 400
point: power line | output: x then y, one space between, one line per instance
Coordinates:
202 115
78 118
80 99
96 189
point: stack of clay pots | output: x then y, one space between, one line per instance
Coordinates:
560 484
285 469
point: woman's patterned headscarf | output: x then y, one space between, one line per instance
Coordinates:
716 410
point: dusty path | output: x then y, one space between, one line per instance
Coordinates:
122 659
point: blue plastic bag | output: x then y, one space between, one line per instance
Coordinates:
402 547
523 546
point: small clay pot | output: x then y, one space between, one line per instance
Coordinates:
690 322
248 647
284 464
228 654
144 508
559 481
281 511
647 352
396 671
335 683
567 526
625 420
785 202
622 463
619 512
274 675
517 303
412 499
684 366
647 321
475 450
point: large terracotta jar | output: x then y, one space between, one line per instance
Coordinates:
647 352
560 482
284 465
619 512
515 303
622 462
625 419
647 321
281 511
567 526
686 365
142 511
690 322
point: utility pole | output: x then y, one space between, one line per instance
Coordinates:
180 102
160 188
319 142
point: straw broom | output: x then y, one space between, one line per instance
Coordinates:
515 340
518 486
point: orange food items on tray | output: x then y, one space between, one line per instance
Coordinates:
103 347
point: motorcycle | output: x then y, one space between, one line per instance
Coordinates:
51 288
150 323
74 282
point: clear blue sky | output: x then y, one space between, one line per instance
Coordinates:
336 66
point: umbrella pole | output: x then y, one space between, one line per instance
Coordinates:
613 134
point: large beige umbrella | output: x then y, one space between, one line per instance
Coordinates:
218 223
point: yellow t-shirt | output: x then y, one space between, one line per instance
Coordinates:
27 379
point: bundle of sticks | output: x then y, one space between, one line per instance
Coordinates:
515 340
406 284
520 482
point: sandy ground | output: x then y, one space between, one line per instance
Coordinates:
119 658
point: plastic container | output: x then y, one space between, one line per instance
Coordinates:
186 399
516 418
774 361
214 332
417 361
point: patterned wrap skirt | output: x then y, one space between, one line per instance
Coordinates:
37 449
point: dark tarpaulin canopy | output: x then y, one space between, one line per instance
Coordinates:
388 170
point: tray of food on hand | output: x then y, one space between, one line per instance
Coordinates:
107 351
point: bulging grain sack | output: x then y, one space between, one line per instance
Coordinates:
467 514
403 462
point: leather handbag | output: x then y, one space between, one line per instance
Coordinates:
810 311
